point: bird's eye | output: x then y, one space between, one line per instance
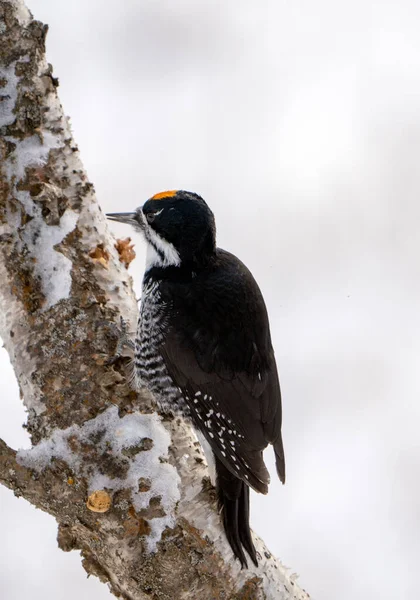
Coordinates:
150 217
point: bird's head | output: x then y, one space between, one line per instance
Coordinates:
178 226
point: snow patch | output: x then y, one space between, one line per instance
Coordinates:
22 13
30 152
52 267
120 439
8 94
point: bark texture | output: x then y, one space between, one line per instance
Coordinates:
63 287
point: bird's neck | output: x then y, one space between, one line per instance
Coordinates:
185 272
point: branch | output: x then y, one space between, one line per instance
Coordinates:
127 488
50 493
17 477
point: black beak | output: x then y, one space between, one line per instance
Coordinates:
128 218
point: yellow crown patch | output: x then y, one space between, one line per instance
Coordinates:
161 195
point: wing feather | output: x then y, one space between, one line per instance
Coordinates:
218 351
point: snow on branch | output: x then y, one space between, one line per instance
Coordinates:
128 453
12 474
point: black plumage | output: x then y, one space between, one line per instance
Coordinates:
215 349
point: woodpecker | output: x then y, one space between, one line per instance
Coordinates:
203 348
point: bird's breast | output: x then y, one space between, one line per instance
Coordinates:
150 368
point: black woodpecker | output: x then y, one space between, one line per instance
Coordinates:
203 348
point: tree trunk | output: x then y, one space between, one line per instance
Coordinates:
127 488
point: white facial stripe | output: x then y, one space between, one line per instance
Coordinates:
160 253
152 257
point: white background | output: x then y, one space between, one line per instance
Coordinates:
299 123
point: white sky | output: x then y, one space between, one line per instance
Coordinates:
299 123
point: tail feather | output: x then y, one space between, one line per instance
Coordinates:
243 524
280 464
233 501
230 523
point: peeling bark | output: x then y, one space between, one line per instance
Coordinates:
63 287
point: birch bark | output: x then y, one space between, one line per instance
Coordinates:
128 489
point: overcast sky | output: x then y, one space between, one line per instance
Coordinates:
299 123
